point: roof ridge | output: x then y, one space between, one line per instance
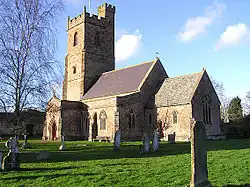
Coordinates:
131 66
185 75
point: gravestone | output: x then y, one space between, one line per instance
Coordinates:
171 138
146 143
117 140
199 176
11 161
156 141
43 155
1 157
62 147
26 144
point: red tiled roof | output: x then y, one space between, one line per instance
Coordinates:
119 81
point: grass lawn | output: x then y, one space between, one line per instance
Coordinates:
96 164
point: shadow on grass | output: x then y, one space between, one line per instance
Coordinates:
45 176
232 185
79 151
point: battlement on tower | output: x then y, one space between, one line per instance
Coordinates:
105 12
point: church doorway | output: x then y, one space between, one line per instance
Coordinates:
94 127
54 131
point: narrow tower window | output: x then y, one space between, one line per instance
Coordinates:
97 38
74 69
75 39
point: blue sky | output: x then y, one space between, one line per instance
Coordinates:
189 35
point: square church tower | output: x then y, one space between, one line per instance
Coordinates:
90 51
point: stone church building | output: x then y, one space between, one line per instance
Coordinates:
98 99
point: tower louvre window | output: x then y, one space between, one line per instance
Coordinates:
75 39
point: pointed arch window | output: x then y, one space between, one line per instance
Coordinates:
75 39
206 110
175 117
131 120
103 120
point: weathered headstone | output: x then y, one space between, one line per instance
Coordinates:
11 161
62 147
146 143
156 141
1 157
199 176
43 155
117 140
171 138
26 144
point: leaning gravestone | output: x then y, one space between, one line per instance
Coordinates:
11 161
117 140
156 141
146 143
199 176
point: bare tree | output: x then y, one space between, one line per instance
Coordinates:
27 48
247 103
164 122
219 88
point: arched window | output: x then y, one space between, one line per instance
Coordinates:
97 38
75 39
206 110
74 69
175 117
131 120
103 119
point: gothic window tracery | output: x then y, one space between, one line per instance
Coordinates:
103 120
131 121
206 110
175 117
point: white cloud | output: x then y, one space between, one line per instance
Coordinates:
127 45
233 35
198 25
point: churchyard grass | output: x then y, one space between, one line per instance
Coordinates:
96 164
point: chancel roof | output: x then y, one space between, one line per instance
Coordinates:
120 81
177 90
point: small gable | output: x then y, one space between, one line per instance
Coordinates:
177 90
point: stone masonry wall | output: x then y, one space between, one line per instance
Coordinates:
182 127
95 107
206 88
